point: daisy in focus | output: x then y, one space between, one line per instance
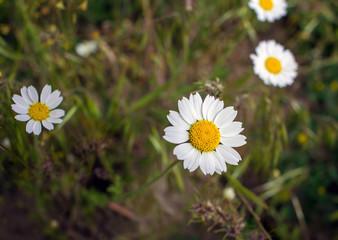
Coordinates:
86 48
36 111
268 10
206 134
273 64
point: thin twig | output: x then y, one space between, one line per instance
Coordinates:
256 217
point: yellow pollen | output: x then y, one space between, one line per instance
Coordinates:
204 136
273 65
266 4
38 111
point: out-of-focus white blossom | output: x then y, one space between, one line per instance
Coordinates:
86 48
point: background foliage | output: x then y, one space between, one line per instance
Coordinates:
74 182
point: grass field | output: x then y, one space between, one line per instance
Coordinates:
106 172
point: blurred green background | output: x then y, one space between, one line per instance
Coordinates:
74 182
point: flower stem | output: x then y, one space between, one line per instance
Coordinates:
147 185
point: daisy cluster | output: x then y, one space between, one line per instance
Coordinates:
204 130
272 63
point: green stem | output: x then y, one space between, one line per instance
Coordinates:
155 179
37 150
238 186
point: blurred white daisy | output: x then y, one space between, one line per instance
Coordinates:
268 10
86 48
206 134
36 111
273 64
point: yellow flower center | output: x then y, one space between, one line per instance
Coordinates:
302 138
321 190
204 136
334 86
273 65
266 4
38 111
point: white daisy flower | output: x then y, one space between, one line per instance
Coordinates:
273 64
268 10
86 48
36 112
206 134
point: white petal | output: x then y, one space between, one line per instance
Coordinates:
174 130
185 112
54 120
54 104
221 161
37 128
24 94
227 156
203 166
233 152
210 111
190 160
176 120
196 163
29 126
46 91
175 140
206 105
176 135
225 117
232 129
47 125
218 166
33 94
187 162
214 108
195 156
57 113
20 101
190 106
208 163
236 141
52 97
183 150
211 163
197 101
19 109
22 118
218 108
